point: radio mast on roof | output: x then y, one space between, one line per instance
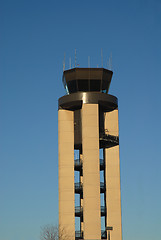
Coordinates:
64 63
101 58
70 63
75 58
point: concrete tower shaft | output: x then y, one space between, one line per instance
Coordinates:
88 124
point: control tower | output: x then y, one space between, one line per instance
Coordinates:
89 206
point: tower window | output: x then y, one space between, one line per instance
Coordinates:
72 86
83 85
95 85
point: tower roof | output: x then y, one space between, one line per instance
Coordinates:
87 80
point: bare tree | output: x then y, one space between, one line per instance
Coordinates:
52 232
49 232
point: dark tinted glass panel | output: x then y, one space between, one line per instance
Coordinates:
104 91
95 85
72 87
83 85
105 85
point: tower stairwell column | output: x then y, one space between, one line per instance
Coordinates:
112 172
66 173
91 172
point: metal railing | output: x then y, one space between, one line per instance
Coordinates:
102 187
111 139
103 211
78 187
102 164
78 234
103 234
78 211
78 164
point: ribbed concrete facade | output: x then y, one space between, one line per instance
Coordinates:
88 125
66 171
91 171
112 173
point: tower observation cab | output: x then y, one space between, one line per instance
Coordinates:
87 80
88 125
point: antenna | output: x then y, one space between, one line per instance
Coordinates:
101 58
70 63
88 61
108 65
75 57
110 61
64 63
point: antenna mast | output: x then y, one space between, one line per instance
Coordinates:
89 61
101 58
110 62
75 57
70 63
64 63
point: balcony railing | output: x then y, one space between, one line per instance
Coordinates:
103 234
102 187
78 234
102 164
103 211
78 187
108 140
78 164
78 211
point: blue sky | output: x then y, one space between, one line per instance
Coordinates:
33 38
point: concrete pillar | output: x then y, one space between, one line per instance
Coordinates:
66 172
112 172
91 172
